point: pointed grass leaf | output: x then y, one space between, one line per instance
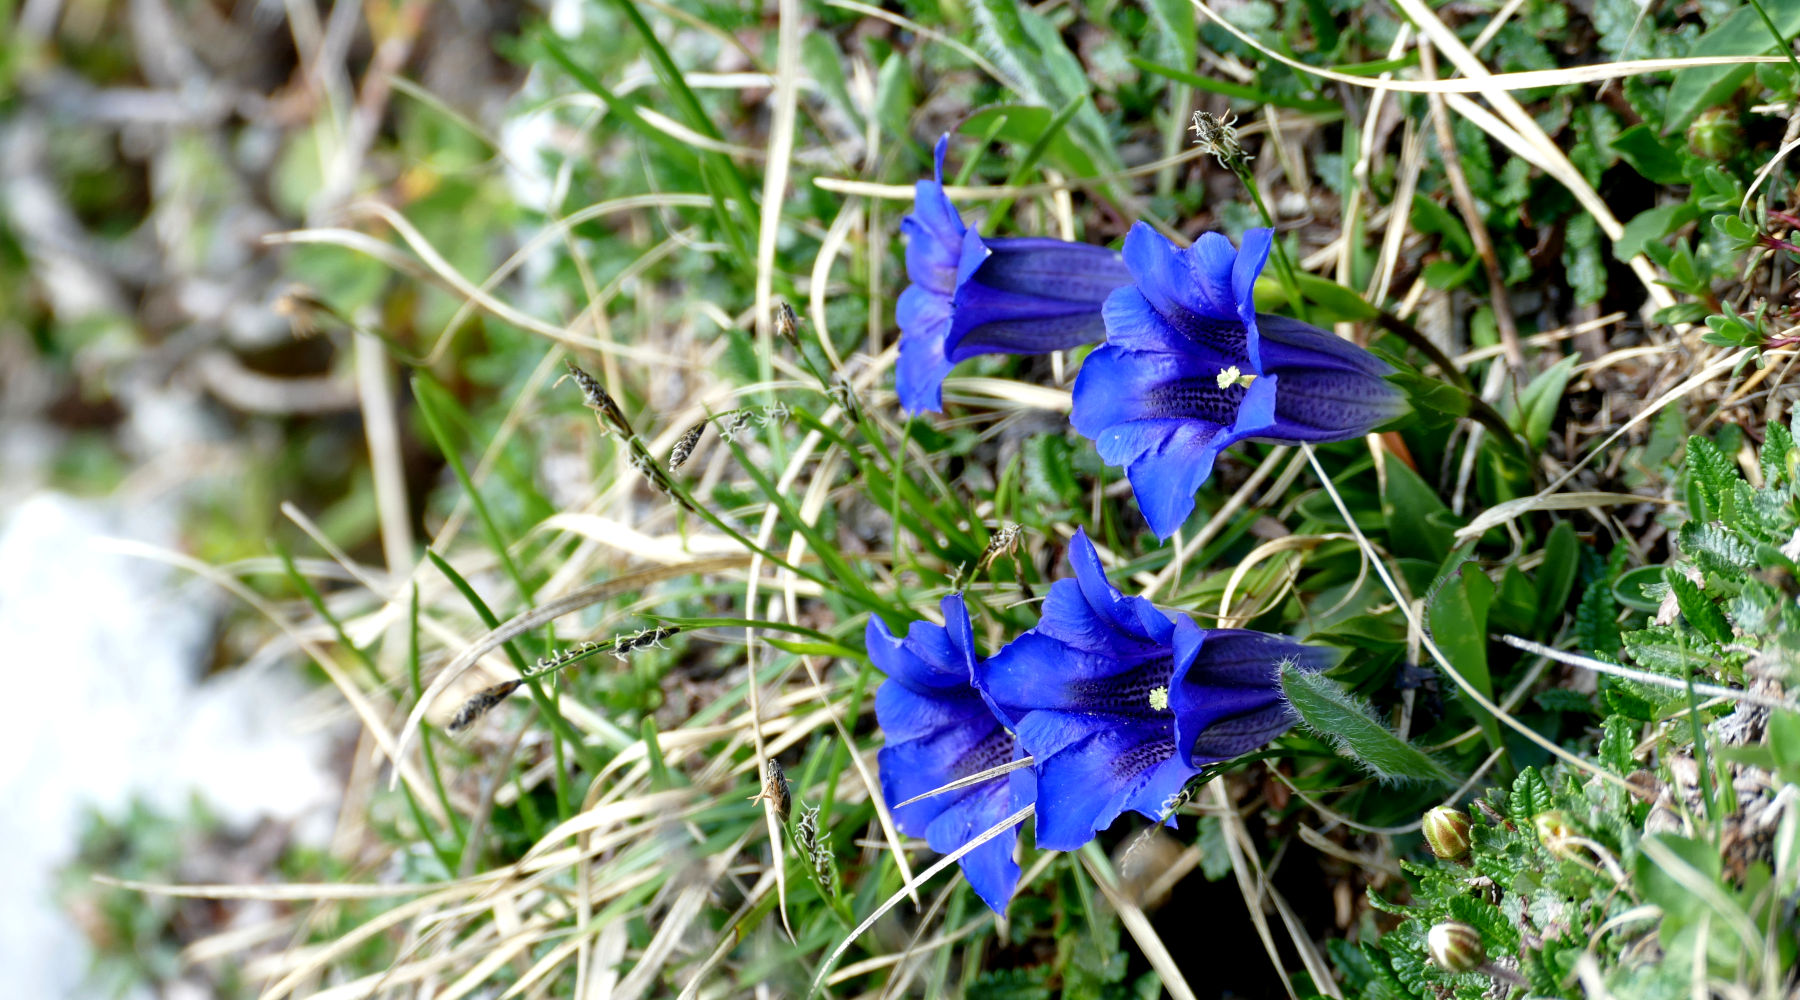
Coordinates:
1555 576
1335 715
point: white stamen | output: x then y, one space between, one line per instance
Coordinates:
1159 699
1229 376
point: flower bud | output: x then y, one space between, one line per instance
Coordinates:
1447 831
1716 134
1553 830
1455 947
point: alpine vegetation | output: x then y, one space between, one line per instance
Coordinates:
1190 367
970 296
939 728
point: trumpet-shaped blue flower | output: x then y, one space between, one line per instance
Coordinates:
1120 704
1190 367
939 728
974 296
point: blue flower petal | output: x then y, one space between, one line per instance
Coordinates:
1248 264
1289 345
924 317
934 232
1084 786
1232 680
1036 265
1131 616
1190 289
990 868
925 763
1332 406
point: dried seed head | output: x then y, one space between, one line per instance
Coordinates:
480 704
599 400
624 645
684 447
816 847
734 423
787 324
1447 831
775 789
1219 138
844 395
1455 947
1002 543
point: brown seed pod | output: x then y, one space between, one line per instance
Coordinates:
775 789
481 703
684 446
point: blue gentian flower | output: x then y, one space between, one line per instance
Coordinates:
939 728
1190 367
973 296
1120 704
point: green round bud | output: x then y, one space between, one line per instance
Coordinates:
1455 947
1716 134
1447 831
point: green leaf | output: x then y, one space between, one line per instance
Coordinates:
1024 125
1582 261
1031 52
1539 401
1773 457
1328 710
1659 161
1619 739
1697 608
1741 34
1711 474
1530 796
894 96
1556 575
1640 589
1175 36
1419 525
1458 619
1651 225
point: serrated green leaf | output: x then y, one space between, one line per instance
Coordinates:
1777 442
1711 473
1697 608
1617 742
1328 710
1530 796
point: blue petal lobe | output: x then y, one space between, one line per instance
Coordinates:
1084 786
990 868
924 318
